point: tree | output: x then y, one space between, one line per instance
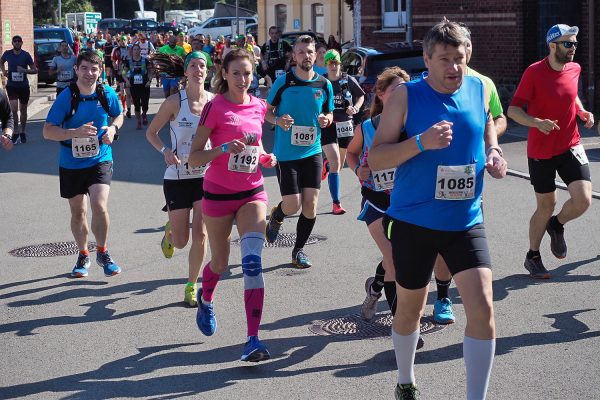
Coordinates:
46 11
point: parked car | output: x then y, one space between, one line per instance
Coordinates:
291 37
44 50
218 26
114 26
54 33
365 63
142 25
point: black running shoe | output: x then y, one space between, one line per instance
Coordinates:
23 137
536 268
407 391
558 246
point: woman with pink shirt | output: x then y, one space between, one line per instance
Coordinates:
233 190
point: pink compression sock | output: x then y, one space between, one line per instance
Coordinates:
209 282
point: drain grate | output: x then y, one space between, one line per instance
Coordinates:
50 249
353 325
285 239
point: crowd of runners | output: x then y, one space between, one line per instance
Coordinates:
419 157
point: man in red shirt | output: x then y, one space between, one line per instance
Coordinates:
548 89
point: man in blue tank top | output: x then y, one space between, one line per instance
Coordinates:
435 205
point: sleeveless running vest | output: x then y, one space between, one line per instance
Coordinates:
422 187
183 130
368 131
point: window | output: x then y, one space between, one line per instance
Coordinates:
281 17
394 13
318 18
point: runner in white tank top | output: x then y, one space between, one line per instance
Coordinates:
182 184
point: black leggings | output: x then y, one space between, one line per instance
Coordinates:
141 96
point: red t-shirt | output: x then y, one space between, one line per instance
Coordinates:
550 94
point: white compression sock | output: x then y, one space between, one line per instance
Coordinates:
479 356
405 348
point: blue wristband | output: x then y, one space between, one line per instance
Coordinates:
419 144
224 148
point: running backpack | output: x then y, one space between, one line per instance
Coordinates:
76 99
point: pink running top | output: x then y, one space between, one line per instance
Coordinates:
229 121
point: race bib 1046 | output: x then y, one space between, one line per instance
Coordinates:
245 161
85 147
304 135
456 182
344 129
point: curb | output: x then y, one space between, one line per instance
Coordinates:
38 105
523 175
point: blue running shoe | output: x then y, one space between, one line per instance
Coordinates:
80 270
442 311
106 262
255 351
205 317
272 228
300 260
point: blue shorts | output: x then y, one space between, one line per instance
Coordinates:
369 212
168 83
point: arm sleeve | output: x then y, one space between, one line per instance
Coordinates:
209 117
6 115
329 106
30 62
53 63
525 91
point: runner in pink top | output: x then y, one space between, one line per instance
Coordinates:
233 189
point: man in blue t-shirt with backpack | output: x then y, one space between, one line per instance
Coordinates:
79 120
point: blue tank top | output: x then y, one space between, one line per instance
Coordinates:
368 131
420 184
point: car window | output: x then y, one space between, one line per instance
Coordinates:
412 65
47 48
351 63
48 34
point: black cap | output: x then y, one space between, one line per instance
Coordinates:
17 37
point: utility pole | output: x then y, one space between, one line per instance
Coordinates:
113 6
237 16
59 13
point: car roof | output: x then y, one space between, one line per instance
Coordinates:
56 28
47 40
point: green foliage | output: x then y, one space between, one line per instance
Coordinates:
46 11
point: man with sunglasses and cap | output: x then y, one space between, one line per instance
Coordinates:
20 64
549 90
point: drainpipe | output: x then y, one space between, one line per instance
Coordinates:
409 24
356 15
591 90
340 22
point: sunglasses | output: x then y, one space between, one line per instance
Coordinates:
568 45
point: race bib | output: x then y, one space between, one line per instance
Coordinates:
138 79
64 76
455 182
184 168
279 73
17 77
246 161
85 147
384 179
579 153
344 129
303 135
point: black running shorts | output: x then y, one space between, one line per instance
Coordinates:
295 175
182 193
18 93
74 182
415 248
543 172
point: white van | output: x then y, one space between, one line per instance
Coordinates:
218 26
176 15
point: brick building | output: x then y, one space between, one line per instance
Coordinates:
508 35
16 18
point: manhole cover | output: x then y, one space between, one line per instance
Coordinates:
285 239
50 249
353 325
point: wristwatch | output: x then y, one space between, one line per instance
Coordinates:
116 137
